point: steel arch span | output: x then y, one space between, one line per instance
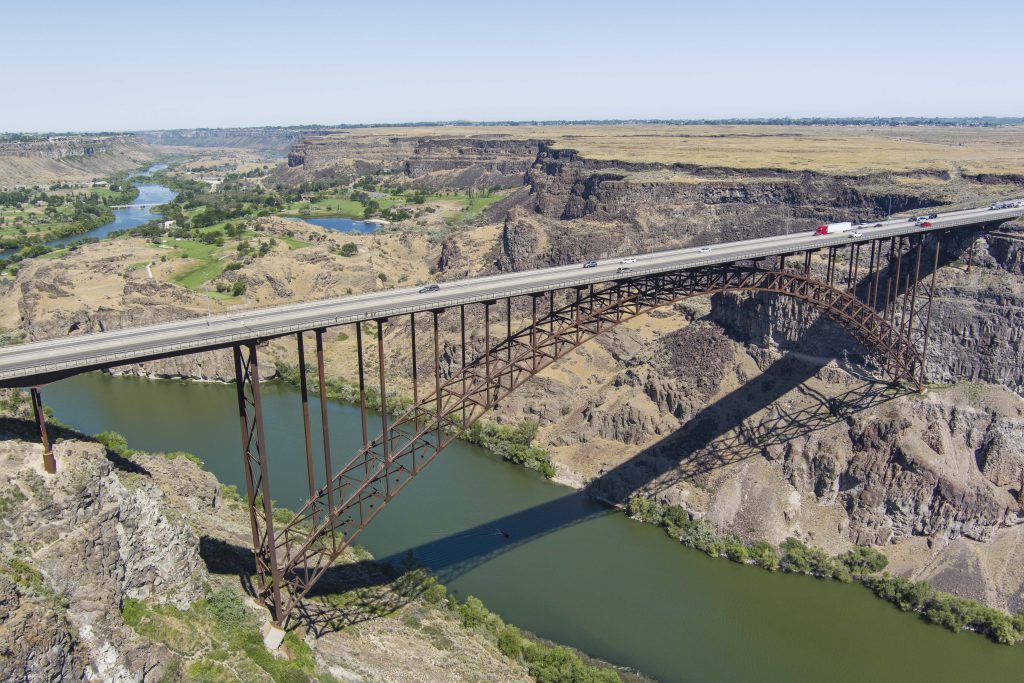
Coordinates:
292 558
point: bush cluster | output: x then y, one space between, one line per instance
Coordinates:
545 663
514 444
860 563
951 611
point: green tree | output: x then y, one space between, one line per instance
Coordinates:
239 288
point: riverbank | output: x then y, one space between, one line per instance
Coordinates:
862 564
204 624
555 561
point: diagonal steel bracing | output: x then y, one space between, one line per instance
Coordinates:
293 558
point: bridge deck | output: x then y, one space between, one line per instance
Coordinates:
37 362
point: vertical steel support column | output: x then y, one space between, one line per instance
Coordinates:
913 291
782 263
325 430
533 332
849 271
49 464
270 548
362 384
487 353
508 333
896 286
304 393
462 326
871 275
903 319
928 315
551 319
578 314
415 381
437 378
970 254
383 398
250 484
807 263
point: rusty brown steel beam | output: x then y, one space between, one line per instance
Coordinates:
383 390
871 274
415 379
325 430
266 553
49 463
304 396
928 315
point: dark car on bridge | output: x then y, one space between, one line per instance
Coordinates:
429 288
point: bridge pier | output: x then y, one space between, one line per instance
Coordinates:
49 464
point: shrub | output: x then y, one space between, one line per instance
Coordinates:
765 556
349 249
473 612
863 560
801 559
699 534
904 593
735 549
510 642
239 288
114 442
645 510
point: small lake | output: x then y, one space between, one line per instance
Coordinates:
553 561
342 224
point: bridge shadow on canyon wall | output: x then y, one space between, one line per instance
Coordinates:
722 434
749 422
746 423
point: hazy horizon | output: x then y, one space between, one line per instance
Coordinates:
237 64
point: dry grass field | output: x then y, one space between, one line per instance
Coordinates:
829 149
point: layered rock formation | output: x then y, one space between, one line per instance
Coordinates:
423 162
78 158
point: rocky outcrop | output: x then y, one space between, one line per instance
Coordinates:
269 138
73 158
75 546
428 162
918 469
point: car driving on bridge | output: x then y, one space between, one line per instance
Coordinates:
628 259
590 264
430 288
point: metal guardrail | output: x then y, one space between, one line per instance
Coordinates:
271 331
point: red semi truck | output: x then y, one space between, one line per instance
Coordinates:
831 228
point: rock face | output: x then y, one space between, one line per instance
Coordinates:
273 139
584 208
74 158
77 545
424 162
82 541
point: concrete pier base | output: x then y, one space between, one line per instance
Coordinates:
273 636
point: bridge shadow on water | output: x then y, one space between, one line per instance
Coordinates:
721 434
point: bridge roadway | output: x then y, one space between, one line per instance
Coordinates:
39 362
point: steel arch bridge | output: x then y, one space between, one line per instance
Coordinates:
871 285
888 319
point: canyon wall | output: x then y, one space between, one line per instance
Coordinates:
79 158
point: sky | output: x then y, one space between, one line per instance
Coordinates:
71 65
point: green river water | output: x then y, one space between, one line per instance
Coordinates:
556 563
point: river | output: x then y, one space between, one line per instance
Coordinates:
552 561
